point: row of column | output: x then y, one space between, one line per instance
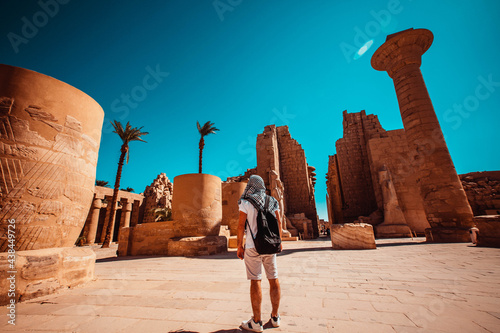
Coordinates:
95 212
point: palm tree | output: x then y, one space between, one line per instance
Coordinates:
206 129
128 189
162 214
102 183
127 135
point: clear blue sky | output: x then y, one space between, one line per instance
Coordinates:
245 64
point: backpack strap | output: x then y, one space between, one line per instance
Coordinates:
266 204
247 225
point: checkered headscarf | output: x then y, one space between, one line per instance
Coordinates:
255 193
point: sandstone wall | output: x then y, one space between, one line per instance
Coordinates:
294 173
353 164
335 201
268 157
393 152
483 191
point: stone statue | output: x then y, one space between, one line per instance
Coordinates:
392 212
278 191
394 224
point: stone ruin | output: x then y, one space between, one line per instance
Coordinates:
281 162
49 140
129 212
483 191
157 195
195 228
404 181
371 176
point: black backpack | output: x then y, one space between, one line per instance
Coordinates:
267 240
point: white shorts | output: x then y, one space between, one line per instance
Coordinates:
254 262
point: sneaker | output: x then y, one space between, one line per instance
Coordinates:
251 325
275 321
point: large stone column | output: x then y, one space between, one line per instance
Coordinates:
94 220
445 202
50 134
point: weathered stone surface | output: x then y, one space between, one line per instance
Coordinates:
302 224
352 236
146 239
353 184
40 157
197 246
197 205
394 224
37 113
231 193
73 123
489 230
483 191
281 162
41 272
157 195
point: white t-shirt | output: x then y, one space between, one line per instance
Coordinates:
247 208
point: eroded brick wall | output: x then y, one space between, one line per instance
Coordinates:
299 193
353 164
483 191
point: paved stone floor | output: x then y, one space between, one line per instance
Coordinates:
402 286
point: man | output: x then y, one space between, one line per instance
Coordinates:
255 196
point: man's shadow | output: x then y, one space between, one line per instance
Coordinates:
234 330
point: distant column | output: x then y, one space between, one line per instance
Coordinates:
106 221
126 214
94 220
445 202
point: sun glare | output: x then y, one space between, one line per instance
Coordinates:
363 49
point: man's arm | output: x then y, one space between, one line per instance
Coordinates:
279 227
241 230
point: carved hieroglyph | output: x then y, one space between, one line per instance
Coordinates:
49 141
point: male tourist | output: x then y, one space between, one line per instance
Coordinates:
255 196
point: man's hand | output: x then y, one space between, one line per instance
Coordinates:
240 252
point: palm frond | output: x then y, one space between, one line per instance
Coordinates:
207 128
128 134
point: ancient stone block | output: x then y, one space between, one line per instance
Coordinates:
352 236
41 272
489 230
197 246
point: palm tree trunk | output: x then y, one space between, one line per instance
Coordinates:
202 144
111 221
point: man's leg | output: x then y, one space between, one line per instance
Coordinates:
256 298
275 293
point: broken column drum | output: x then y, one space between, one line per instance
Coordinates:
231 193
49 138
197 205
445 202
